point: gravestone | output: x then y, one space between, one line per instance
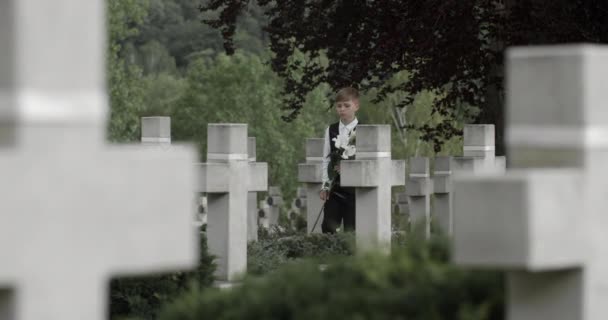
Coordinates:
545 221
442 187
58 251
275 201
263 215
156 130
252 197
373 173
311 174
300 200
402 206
227 177
478 152
202 210
419 188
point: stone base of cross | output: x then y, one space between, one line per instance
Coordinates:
373 173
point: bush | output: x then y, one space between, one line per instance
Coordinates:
273 250
414 282
142 297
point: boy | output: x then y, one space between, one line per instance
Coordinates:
339 201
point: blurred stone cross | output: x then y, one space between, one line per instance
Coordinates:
545 222
373 173
227 177
76 211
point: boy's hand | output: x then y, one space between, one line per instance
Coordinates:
324 195
337 168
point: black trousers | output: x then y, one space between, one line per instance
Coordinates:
340 207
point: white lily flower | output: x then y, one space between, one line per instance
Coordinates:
349 151
352 136
341 141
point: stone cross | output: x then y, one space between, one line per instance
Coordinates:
546 227
419 188
300 200
402 205
156 130
227 177
57 250
310 173
373 173
202 210
478 152
263 214
442 187
252 198
275 201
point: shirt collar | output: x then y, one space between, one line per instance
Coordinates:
351 125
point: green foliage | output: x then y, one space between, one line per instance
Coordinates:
274 250
242 89
414 282
126 91
142 297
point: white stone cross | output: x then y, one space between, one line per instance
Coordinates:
402 205
310 173
263 214
546 227
275 201
419 188
478 152
252 197
373 173
300 200
76 211
156 130
442 188
227 177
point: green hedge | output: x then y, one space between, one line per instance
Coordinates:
414 282
142 297
274 250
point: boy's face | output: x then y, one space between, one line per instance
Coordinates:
346 109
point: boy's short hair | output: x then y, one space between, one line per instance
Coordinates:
347 93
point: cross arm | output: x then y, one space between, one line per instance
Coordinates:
525 220
213 177
310 172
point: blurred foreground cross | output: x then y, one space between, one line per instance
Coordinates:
546 227
73 210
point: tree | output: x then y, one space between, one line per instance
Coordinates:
126 91
453 48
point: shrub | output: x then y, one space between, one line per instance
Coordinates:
275 249
414 282
142 297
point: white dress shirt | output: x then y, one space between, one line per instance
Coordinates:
342 129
